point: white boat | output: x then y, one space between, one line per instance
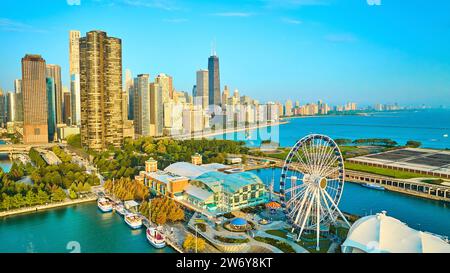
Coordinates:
445 135
373 186
156 238
104 204
120 210
133 220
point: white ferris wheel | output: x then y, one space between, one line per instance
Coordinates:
311 185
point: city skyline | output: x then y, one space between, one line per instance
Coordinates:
311 57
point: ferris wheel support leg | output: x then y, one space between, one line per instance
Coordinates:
338 210
306 216
318 222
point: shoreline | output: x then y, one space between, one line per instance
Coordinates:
39 208
240 129
225 131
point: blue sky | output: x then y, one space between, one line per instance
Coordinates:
366 51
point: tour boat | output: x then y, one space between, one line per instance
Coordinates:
133 220
155 238
105 205
373 186
120 209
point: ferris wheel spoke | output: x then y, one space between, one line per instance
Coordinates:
313 144
307 156
330 213
336 208
329 164
296 197
305 218
295 188
306 196
329 171
300 160
324 155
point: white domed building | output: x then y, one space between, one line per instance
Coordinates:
384 234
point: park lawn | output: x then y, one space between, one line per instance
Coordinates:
308 241
283 246
383 171
278 232
280 155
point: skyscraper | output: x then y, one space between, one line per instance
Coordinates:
156 110
74 69
225 95
202 88
75 99
67 107
35 126
101 91
74 52
18 109
12 106
166 83
129 89
54 71
3 108
51 108
142 105
288 108
214 80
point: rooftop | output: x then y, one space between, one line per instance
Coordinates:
383 234
437 161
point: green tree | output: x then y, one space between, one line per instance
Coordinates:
42 197
59 195
30 198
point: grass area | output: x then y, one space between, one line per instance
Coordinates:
283 246
201 227
282 154
308 241
383 171
231 240
433 181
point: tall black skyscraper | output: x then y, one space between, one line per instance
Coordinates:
214 80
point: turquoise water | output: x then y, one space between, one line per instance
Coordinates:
83 224
5 163
419 213
426 126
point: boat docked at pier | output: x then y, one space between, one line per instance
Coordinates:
134 221
373 186
104 204
155 237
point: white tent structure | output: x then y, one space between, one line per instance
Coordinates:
383 234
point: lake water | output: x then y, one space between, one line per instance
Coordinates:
84 225
426 126
419 213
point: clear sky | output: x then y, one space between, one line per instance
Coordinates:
367 51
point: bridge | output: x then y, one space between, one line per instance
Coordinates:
22 148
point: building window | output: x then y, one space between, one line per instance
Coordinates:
236 199
37 131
